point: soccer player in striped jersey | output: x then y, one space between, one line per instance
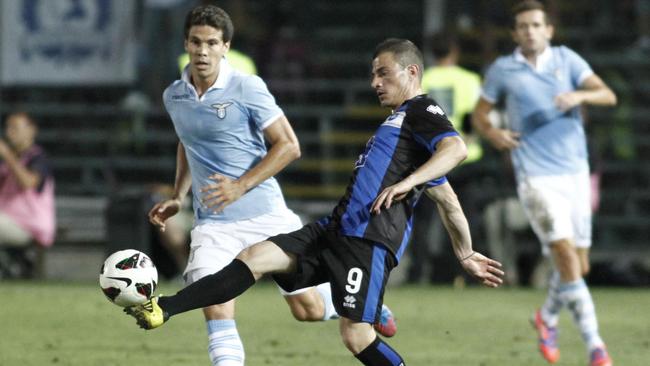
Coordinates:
544 88
357 246
223 119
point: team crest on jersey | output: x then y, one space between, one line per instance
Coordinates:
395 120
221 109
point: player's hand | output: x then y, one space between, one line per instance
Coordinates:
161 211
503 139
486 270
396 192
221 193
568 100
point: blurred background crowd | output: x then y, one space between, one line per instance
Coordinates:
90 73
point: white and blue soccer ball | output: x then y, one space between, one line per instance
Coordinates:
128 278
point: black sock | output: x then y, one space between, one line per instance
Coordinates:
217 288
379 353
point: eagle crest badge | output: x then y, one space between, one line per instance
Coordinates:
221 109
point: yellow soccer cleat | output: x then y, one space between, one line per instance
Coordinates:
148 315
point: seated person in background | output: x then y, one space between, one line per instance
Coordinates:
27 213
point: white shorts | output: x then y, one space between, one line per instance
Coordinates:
214 245
558 207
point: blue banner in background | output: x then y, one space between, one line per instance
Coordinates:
67 42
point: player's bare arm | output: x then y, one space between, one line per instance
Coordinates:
450 151
593 91
485 270
284 149
163 210
501 139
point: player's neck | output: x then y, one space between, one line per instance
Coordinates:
532 55
203 84
408 95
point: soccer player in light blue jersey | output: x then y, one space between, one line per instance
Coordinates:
224 118
544 87
356 247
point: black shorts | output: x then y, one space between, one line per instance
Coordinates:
356 268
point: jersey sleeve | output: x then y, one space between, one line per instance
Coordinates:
579 69
492 89
430 124
260 103
436 182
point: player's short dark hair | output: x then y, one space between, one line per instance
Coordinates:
405 52
528 5
442 43
212 16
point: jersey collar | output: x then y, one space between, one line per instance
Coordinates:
404 105
225 70
543 59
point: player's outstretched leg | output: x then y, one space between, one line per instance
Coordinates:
387 325
148 315
218 288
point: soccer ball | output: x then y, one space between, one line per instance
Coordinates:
128 277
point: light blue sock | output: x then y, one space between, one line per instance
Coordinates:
325 292
553 304
224 345
575 295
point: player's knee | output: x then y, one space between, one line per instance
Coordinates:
300 313
304 309
250 256
354 340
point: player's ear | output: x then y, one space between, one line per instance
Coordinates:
226 45
413 70
185 43
549 31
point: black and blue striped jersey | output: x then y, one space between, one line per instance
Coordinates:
401 144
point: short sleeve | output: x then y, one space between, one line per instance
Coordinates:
436 182
493 85
579 69
430 124
260 103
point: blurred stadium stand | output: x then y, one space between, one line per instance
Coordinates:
315 58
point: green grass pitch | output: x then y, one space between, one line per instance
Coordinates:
73 324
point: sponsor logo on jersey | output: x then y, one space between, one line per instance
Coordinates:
435 109
180 97
221 109
349 302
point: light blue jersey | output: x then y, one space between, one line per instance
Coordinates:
552 142
222 133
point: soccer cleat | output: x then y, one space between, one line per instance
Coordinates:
148 315
600 357
547 338
386 326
